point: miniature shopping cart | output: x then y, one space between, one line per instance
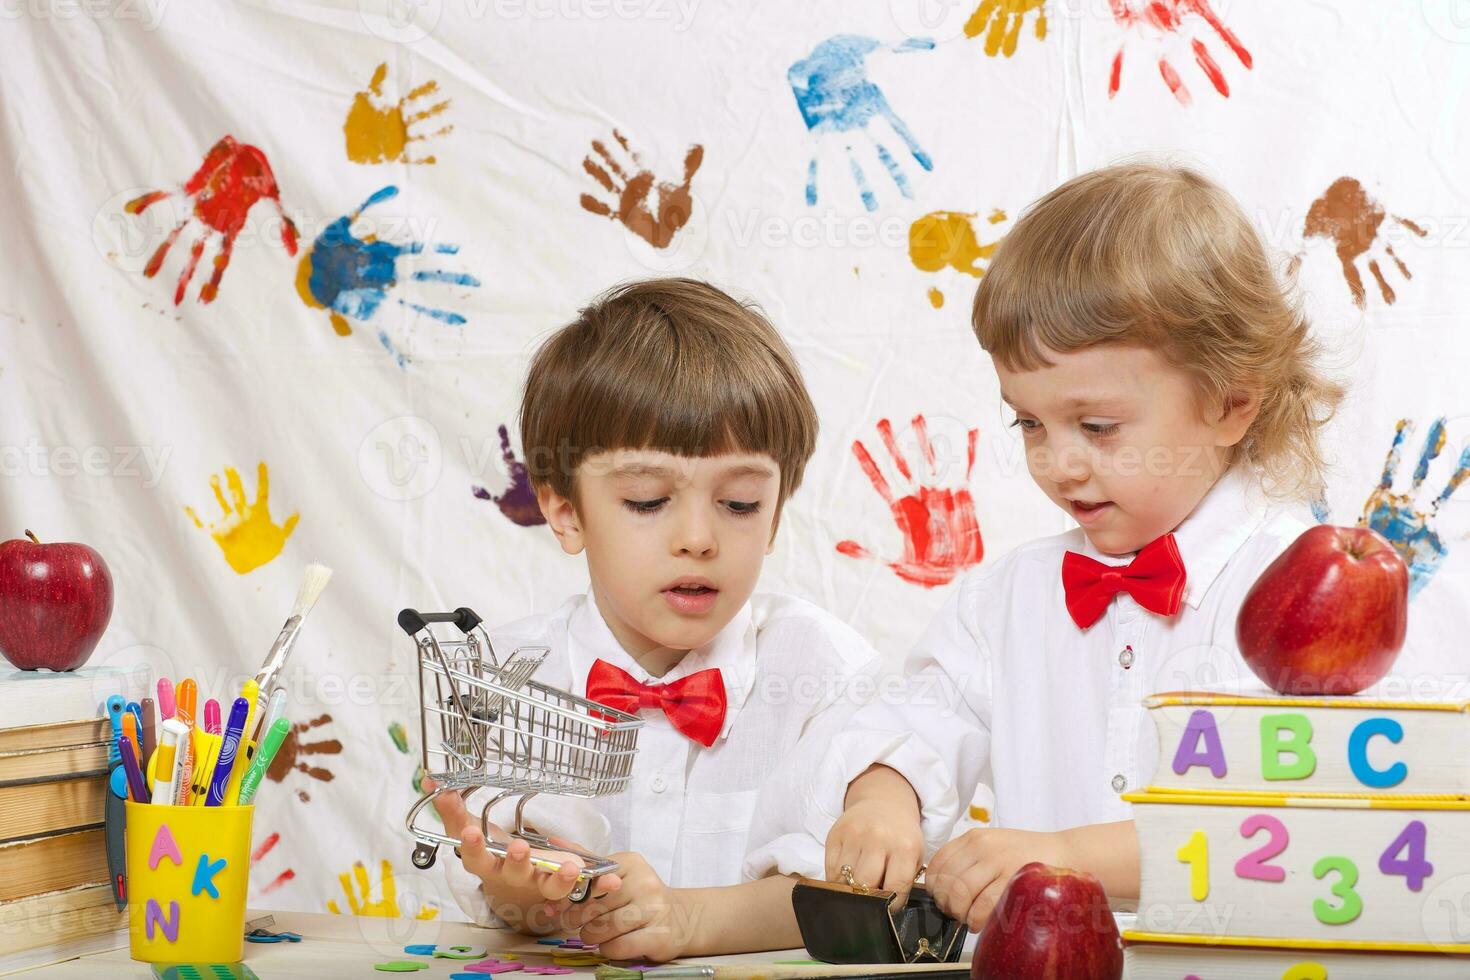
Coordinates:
487 724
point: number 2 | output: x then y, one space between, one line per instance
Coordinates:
1253 865
1352 902
1305 971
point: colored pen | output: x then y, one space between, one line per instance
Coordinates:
165 698
170 761
186 699
136 710
219 780
206 747
271 744
137 788
130 732
275 709
186 768
250 692
211 716
150 741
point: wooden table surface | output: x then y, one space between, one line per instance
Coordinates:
335 946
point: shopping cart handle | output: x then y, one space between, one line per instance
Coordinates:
411 620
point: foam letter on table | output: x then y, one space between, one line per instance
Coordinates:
152 914
1273 747
164 846
1200 729
1358 753
204 875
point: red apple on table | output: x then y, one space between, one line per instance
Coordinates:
1050 924
55 601
1328 616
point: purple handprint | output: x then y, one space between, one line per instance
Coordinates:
518 503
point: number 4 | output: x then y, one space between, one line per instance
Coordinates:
1411 844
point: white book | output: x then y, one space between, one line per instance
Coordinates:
1305 746
39 697
1381 873
1174 960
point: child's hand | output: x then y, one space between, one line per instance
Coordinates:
513 883
641 920
878 835
969 873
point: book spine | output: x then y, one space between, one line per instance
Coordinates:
1303 751
1267 869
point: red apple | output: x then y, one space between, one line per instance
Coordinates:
1051 924
1328 616
55 601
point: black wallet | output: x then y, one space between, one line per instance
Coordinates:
849 923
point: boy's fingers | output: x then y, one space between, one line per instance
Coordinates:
517 869
472 854
868 869
843 855
983 905
451 809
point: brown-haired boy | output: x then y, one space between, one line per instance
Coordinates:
665 428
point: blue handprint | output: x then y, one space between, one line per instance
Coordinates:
1394 515
351 276
834 95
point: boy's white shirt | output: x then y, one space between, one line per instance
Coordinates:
792 673
1004 688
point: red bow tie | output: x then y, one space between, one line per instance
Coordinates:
1155 578
695 704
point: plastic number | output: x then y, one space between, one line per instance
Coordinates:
1196 854
1352 902
1411 843
1253 865
1305 971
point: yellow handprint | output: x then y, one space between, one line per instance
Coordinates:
386 907
246 534
1001 20
378 132
947 239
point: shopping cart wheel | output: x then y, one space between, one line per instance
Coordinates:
424 855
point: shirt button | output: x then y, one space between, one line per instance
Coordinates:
1125 659
1119 783
658 784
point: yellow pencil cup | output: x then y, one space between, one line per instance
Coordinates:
188 873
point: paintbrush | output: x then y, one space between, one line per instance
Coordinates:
789 971
317 577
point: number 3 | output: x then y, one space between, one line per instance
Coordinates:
1305 971
1352 902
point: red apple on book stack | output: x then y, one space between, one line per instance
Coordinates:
55 601
1051 924
1328 616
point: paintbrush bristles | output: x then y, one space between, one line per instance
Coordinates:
317 577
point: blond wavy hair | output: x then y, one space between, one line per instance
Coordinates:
1160 257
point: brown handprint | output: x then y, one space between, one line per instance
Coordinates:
290 754
1001 21
378 132
632 185
941 536
1159 20
1349 218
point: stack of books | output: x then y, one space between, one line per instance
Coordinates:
1304 838
56 900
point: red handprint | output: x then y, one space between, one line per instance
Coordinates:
1161 19
232 178
941 536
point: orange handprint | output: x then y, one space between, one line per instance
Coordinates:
1001 20
940 532
1346 216
632 185
1161 21
378 132
247 535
